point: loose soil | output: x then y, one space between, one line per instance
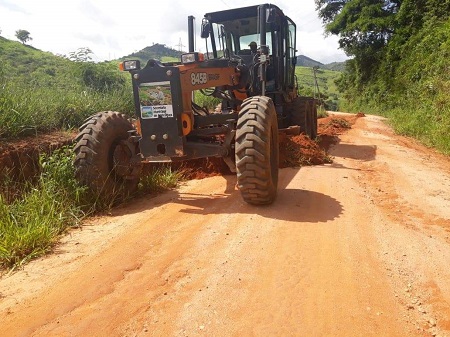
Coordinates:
357 247
19 159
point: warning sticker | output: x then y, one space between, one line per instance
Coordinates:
156 100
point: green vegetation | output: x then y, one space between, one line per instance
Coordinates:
326 81
400 66
31 224
162 178
43 92
304 61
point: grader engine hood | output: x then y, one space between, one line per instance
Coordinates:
157 98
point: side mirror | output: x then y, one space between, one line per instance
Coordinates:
206 29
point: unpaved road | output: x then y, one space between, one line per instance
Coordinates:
360 247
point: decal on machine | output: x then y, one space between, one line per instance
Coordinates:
156 100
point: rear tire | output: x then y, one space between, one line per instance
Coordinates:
304 114
298 111
313 134
104 156
257 152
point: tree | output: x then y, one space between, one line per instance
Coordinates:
364 28
23 35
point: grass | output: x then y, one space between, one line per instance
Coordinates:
32 110
410 85
32 223
41 92
321 112
429 126
162 177
208 102
169 59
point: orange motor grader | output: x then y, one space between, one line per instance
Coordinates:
249 64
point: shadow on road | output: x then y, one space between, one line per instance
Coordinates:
292 204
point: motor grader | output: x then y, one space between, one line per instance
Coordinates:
248 63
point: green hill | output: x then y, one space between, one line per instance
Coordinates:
26 61
157 51
43 92
305 61
336 66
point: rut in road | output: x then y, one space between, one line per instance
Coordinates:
359 247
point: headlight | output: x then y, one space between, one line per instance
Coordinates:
130 65
192 58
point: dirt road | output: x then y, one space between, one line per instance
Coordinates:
360 247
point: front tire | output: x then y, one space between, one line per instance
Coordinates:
105 158
257 152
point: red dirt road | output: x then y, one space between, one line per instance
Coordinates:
360 247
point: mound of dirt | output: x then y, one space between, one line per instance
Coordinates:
202 168
301 150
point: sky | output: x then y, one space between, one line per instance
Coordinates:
113 29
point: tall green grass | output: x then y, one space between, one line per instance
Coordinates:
29 109
31 224
161 178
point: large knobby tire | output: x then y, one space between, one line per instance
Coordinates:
257 151
313 134
312 118
104 156
298 111
303 112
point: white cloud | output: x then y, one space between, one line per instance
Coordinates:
113 29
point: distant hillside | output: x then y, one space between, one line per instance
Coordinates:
158 52
305 61
24 60
336 66
326 82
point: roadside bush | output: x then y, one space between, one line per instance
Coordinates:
101 76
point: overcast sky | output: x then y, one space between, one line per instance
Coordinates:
112 29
